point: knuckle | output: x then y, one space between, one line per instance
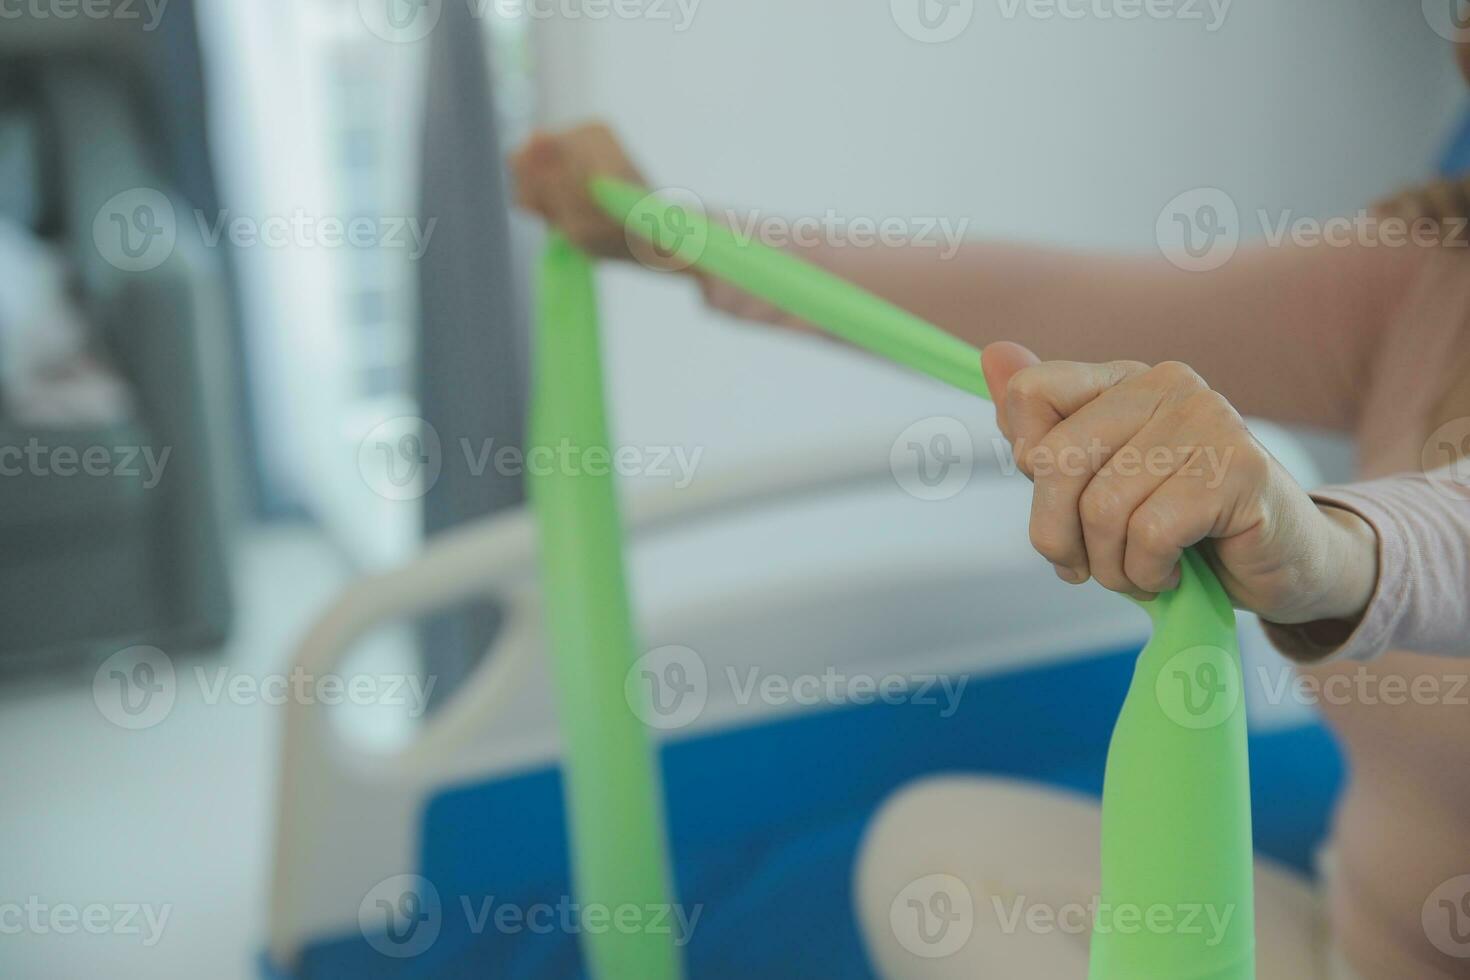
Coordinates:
1253 465
1176 376
1150 532
1123 370
1208 402
1051 541
1113 580
1148 576
1100 507
1024 389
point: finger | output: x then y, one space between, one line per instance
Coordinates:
1067 461
1176 516
1040 396
1107 504
1001 361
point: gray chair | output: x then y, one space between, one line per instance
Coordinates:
102 561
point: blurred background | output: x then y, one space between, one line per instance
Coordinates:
264 323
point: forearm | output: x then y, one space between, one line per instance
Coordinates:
1284 333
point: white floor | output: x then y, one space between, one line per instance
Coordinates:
171 822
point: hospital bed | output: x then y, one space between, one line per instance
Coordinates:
816 570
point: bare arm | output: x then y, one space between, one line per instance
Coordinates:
1284 333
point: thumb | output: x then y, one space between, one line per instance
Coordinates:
1001 361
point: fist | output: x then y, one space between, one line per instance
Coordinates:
1132 464
551 172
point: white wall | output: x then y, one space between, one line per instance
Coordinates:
1069 131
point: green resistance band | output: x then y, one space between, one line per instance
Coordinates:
1177 898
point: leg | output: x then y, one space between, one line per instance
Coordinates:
971 877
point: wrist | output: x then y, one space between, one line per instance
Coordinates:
1352 563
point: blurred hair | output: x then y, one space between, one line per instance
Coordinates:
1441 205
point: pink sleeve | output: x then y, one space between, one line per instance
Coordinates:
1284 333
1419 604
